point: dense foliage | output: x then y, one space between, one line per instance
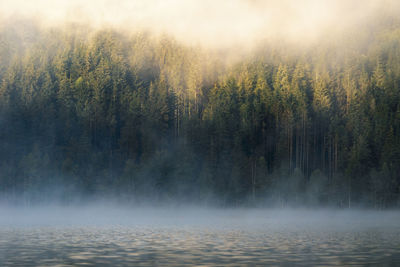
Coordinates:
106 113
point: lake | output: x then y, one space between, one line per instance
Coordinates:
185 237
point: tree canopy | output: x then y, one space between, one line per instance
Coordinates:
104 113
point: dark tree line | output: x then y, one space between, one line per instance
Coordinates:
106 113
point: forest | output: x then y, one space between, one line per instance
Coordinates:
138 117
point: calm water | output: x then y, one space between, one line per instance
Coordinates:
201 238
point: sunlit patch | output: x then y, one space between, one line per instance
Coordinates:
208 22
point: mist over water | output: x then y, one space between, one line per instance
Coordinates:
106 213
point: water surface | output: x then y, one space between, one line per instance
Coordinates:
96 237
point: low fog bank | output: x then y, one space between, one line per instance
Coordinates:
275 198
190 216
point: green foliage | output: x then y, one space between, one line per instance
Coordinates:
106 113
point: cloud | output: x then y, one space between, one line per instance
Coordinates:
209 22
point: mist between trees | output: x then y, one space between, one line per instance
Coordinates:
143 118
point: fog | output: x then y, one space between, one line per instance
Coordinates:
119 149
112 214
221 24
46 166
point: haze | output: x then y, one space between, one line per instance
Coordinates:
107 213
212 23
